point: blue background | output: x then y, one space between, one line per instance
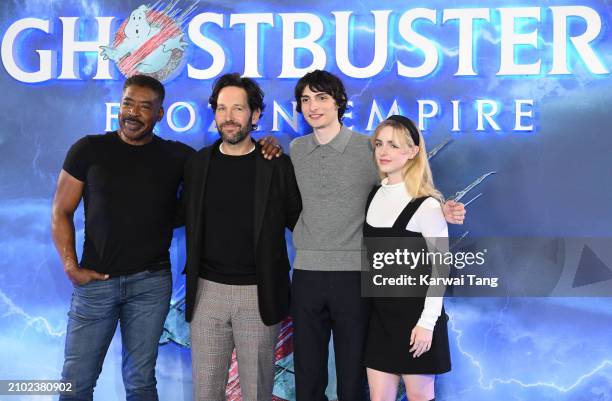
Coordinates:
550 182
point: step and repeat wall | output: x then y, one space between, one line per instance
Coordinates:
513 97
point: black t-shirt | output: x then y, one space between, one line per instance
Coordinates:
130 200
228 254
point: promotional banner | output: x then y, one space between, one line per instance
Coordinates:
512 98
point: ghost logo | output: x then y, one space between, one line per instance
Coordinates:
149 42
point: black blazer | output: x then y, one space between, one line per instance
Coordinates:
277 205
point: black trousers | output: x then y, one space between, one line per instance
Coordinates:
324 302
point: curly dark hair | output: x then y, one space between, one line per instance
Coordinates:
322 81
255 95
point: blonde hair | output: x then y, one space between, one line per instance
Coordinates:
416 172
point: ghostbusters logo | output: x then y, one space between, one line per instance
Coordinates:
149 42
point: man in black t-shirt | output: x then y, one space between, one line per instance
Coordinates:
237 206
128 181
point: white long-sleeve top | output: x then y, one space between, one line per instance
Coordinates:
386 206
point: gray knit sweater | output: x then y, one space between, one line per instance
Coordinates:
334 180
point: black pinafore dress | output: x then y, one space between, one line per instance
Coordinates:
392 319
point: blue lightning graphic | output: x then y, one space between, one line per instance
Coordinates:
31 321
490 385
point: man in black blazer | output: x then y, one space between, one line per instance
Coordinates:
237 206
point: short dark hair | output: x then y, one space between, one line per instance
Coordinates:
146 82
255 95
322 81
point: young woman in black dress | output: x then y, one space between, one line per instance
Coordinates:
407 337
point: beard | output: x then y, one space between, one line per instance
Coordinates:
238 136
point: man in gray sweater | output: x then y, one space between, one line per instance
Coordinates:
335 172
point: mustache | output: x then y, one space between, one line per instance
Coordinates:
234 123
132 119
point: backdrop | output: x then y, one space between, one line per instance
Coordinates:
514 96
